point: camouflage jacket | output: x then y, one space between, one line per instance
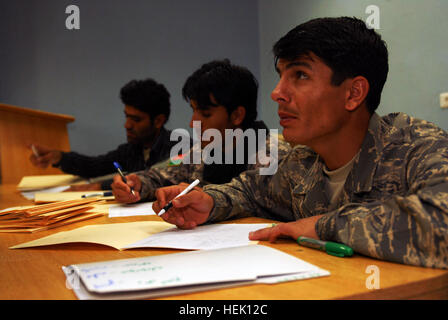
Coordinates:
157 177
395 199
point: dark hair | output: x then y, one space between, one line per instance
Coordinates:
345 45
147 96
230 85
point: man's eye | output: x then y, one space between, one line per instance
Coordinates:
301 75
204 113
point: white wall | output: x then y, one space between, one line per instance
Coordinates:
415 32
45 66
80 72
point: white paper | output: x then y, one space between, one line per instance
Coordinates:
184 272
30 194
206 237
73 282
128 210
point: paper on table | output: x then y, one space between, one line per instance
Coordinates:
201 270
128 210
15 208
206 237
48 181
30 195
116 235
43 217
43 197
150 234
100 208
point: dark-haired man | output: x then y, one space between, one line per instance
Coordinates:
377 184
147 109
223 97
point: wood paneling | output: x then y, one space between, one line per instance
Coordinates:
22 126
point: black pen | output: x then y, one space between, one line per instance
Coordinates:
103 194
117 165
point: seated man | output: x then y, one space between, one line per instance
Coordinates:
147 109
223 96
377 184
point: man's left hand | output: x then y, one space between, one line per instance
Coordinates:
303 227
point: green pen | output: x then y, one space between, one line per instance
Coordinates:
333 248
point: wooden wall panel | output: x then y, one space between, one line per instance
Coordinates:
21 126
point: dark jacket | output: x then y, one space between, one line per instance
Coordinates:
129 156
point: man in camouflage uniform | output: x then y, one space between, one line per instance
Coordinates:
222 96
377 184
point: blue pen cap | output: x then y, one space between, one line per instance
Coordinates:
117 165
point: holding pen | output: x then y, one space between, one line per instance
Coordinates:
117 165
186 190
35 152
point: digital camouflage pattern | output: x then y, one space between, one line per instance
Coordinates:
171 175
395 200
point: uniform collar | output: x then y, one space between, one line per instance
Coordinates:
364 167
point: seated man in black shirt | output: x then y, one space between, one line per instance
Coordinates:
223 98
147 109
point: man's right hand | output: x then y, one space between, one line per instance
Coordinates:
45 156
122 191
188 211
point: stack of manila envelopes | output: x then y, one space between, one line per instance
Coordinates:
47 216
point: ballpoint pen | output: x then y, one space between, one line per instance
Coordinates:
103 194
35 151
170 204
117 165
333 248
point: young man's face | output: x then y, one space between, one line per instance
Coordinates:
310 108
139 129
213 117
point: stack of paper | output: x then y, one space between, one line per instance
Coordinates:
43 217
226 259
186 272
29 185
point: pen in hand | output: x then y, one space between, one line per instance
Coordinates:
170 204
35 151
117 165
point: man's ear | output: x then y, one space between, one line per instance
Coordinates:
238 115
357 91
159 121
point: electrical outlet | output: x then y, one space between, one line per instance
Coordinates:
444 100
